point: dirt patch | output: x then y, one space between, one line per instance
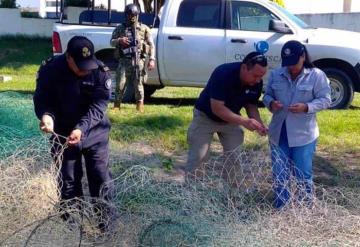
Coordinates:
332 169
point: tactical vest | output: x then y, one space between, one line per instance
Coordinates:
139 43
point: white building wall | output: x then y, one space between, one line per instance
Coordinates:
344 21
28 3
355 6
42 9
115 4
14 24
118 4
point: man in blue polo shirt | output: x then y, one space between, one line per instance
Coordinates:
231 87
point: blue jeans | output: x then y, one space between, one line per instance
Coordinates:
296 161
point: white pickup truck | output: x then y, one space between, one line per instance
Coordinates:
194 37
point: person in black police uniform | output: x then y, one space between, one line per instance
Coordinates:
71 97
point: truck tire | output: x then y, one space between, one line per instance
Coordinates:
149 90
342 89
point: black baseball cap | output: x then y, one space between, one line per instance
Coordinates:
291 52
81 49
255 57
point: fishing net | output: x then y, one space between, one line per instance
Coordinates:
226 202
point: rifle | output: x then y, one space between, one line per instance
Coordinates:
135 56
132 51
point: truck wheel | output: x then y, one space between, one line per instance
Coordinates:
149 90
342 89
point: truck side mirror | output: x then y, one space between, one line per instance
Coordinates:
279 27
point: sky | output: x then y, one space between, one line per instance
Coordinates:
294 6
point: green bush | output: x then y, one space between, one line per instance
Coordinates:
76 3
26 14
279 2
7 3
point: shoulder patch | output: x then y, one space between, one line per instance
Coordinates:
105 68
46 61
102 66
108 83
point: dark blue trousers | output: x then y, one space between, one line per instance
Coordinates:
96 157
296 161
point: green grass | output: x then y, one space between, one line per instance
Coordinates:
169 112
340 129
164 124
20 58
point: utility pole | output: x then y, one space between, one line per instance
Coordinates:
347 6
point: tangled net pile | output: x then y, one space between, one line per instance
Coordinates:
227 202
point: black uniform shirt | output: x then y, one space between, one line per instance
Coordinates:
73 102
225 85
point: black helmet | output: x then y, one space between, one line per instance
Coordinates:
132 9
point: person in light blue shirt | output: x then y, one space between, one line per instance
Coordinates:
294 94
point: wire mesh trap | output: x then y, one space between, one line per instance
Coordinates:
226 202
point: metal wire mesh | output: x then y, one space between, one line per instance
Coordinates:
226 202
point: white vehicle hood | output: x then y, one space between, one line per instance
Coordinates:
334 37
344 45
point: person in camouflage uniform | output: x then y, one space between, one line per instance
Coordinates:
132 54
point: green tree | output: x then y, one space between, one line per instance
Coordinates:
147 5
7 3
76 3
279 2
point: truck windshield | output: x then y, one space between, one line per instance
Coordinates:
291 16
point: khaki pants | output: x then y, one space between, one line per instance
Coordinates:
200 134
125 74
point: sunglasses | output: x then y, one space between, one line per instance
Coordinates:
258 59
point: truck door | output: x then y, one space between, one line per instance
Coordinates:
194 44
248 23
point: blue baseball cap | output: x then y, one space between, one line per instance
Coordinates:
291 53
81 49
